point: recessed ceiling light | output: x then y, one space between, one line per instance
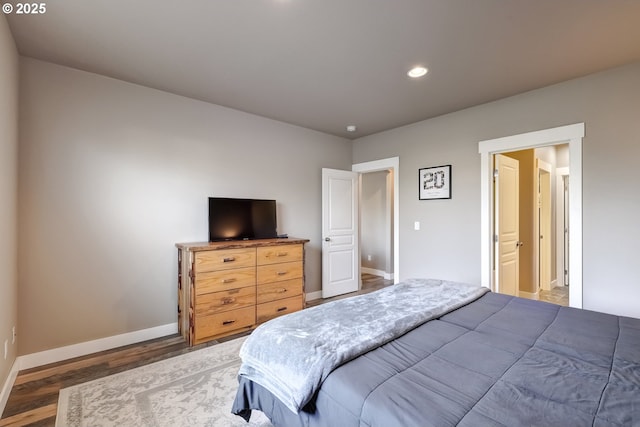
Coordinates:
417 72
351 128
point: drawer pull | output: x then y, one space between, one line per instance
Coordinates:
281 309
229 259
229 280
281 273
227 300
281 290
233 291
282 254
228 322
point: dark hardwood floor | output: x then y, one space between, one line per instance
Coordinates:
370 283
33 401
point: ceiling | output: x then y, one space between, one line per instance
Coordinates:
326 64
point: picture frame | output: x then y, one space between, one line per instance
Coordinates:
434 183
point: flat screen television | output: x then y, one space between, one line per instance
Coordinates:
241 219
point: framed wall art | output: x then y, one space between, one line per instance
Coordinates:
434 183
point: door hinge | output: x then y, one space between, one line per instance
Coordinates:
495 238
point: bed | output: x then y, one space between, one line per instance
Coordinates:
488 360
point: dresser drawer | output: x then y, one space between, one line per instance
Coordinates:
232 299
278 254
279 290
271 310
216 281
207 327
224 259
279 272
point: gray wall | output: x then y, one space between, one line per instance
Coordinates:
8 196
112 175
448 244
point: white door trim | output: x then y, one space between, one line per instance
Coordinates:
392 163
571 134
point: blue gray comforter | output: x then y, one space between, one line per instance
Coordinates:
498 361
291 355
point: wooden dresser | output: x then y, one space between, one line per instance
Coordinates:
229 287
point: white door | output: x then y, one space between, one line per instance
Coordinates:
507 213
340 266
544 206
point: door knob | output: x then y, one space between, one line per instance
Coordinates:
519 244
327 239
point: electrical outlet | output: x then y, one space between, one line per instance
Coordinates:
368 257
13 335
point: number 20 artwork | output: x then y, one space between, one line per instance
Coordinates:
434 183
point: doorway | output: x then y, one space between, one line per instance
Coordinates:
376 227
571 135
392 165
384 175
351 264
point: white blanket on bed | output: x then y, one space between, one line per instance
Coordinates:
291 355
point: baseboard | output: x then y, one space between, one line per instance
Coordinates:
310 296
8 385
82 349
381 273
313 295
529 295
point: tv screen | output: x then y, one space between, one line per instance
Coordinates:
241 219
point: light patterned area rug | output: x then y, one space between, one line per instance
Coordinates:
194 389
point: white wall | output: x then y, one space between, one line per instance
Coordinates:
448 244
112 175
8 197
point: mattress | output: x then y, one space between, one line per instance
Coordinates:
498 361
